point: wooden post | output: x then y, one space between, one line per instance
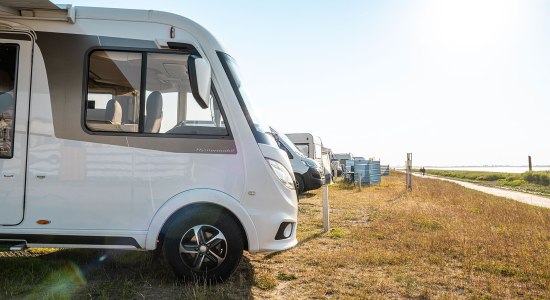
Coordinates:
409 172
359 183
530 165
326 219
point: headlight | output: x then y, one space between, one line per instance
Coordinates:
309 163
282 173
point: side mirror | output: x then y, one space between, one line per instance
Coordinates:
200 78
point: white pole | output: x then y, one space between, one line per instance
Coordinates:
326 219
409 172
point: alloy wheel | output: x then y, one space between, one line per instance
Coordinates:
203 248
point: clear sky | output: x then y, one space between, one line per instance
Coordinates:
463 82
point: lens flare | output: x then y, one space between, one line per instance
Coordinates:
63 283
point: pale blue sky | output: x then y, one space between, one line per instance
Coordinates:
454 82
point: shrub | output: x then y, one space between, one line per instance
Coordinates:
489 177
540 178
473 175
517 182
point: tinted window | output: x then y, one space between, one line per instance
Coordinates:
170 105
8 73
261 131
117 101
114 86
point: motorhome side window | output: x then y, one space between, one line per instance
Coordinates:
304 148
115 104
8 71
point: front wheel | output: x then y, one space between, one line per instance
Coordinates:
299 184
203 243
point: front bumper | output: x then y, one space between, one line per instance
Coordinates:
312 179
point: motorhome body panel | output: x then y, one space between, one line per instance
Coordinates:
114 185
132 176
66 90
14 107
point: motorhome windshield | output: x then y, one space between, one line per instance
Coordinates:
261 132
290 145
283 139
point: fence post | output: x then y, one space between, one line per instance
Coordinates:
326 219
359 183
409 172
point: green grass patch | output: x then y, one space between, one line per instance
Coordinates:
496 268
529 182
286 277
512 183
540 178
336 233
380 257
265 281
511 179
426 224
475 175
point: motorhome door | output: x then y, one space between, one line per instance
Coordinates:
15 78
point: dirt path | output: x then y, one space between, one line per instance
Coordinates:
518 196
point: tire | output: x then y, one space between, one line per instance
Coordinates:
211 244
299 184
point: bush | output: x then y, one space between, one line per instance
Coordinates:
472 175
489 177
517 182
540 178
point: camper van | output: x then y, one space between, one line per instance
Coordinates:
306 170
312 147
131 129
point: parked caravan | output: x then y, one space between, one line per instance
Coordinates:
312 147
342 157
131 129
326 153
339 159
306 170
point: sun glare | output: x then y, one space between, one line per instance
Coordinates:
471 25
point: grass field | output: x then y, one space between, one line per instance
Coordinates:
440 241
537 183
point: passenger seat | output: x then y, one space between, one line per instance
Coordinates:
113 112
153 118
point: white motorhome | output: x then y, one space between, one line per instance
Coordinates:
312 147
131 129
306 170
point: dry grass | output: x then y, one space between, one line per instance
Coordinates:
441 241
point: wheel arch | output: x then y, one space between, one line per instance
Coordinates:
196 198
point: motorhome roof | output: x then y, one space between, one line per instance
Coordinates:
304 137
342 156
43 10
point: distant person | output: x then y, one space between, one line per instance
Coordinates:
423 171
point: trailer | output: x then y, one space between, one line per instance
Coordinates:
312 147
306 170
130 129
